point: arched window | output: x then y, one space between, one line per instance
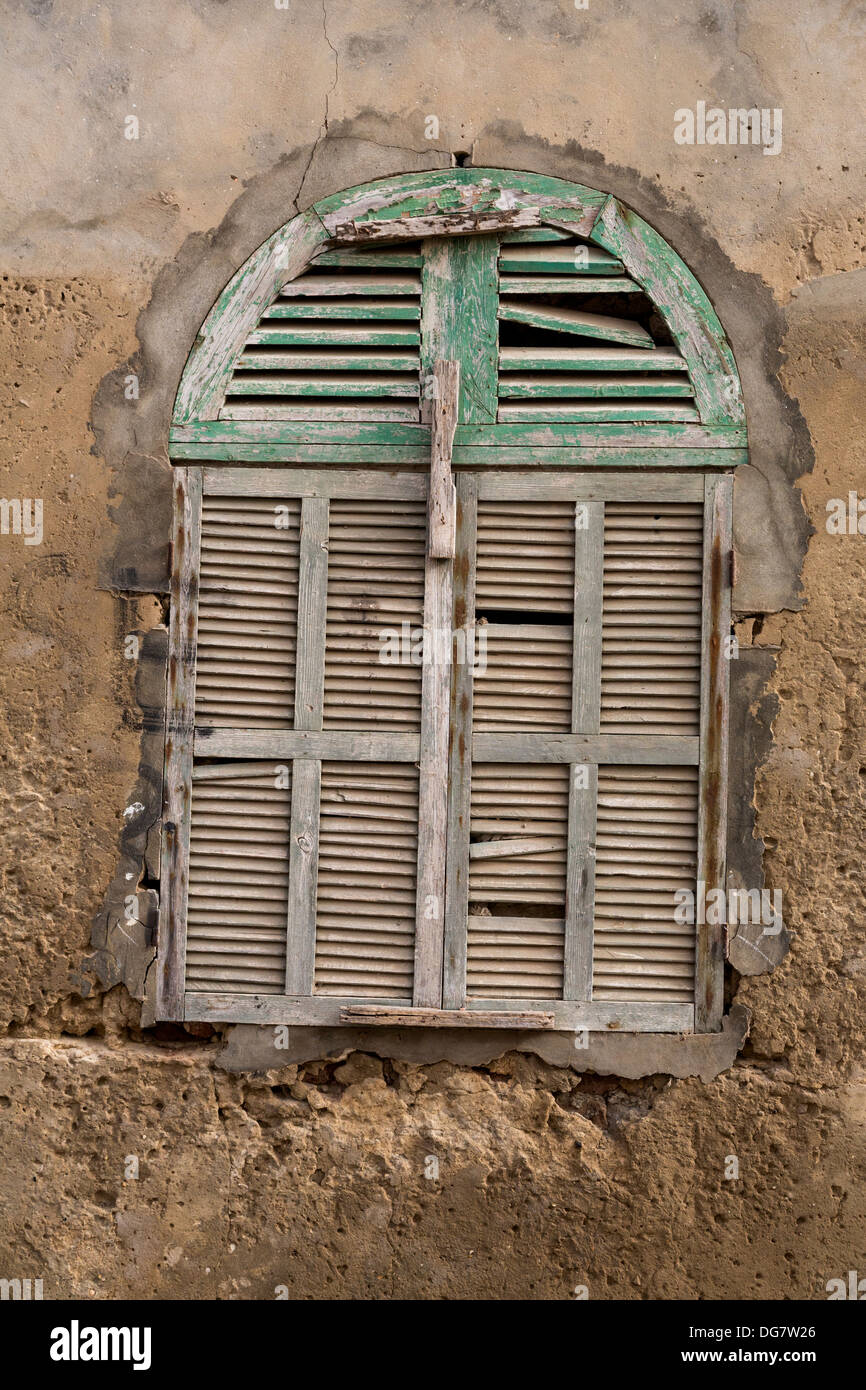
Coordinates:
450 600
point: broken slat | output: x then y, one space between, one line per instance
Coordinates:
539 315
384 1016
505 848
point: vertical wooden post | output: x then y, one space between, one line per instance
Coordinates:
460 757
583 778
713 807
180 733
307 772
441 495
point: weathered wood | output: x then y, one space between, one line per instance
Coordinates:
433 784
682 303
590 412
391 411
282 257
508 848
180 719
590 359
459 314
366 310
672 749
387 1017
537 314
610 486
639 436
539 284
580 882
378 258
713 804
460 766
536 387
588 582
330 360
303 872
574 259
532 235
285 744
312 613
323 384
442 494
568 1016
313 335
373 283
359 485
456 224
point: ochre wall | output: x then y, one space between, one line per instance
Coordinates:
112 251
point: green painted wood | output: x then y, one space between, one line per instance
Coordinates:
377 485
323 384
605 456
522 236
536 314
590 412
236 312
559 284
385 259
344 309
555 384
329 360
575 258
303 335
683 305
590 359
480 438
335 411
459 302
368 284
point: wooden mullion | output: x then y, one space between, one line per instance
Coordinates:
459 300
659 750
433 784
307 773
712 812
180 735
460 765
580 882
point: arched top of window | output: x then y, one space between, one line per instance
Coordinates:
580 318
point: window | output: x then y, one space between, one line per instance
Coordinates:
467 783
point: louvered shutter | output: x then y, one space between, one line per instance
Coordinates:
573 340
341 342
599 608
304 855
317 854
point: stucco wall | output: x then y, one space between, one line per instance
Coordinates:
312 1176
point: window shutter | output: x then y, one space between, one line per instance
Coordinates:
340 342
339 832
302 857
585 799
571 345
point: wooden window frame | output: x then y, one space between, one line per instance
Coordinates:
456 212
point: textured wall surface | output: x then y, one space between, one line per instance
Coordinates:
312 1176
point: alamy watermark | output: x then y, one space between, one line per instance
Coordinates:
736 907
22 516
738 125
846 517
413 646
